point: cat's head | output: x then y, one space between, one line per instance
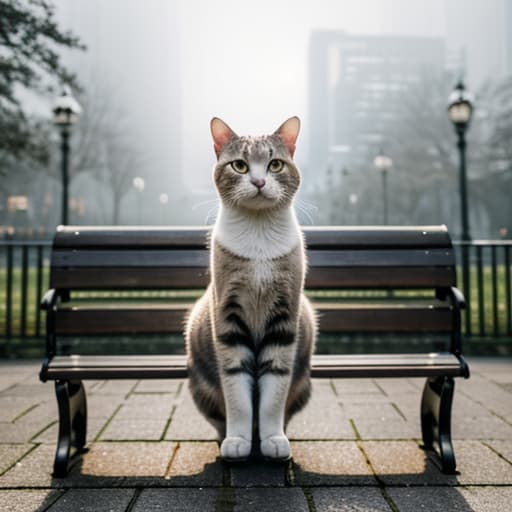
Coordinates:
256 173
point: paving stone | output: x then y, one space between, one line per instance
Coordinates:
12 374
258 474
105 406
93 500
346 499
158 386
383 411
134 430
90 385
480 427
114 387
177 500
403 463
504 448
26 501
320 419
350 387
479 465
488 394
150 410
431 499
157 400
105 465
12 407
28 426
50 434
464 406
383 428
323 390
188 424
270 500
368 398
196 465
136 459
10 453
487 499
40 390
33 471
330 463
393 387
497 370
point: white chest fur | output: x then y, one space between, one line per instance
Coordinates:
258 236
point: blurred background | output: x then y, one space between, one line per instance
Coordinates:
367 78
406 109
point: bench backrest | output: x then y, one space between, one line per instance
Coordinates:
128 258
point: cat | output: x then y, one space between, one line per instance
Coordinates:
251 335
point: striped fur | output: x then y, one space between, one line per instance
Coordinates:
251 336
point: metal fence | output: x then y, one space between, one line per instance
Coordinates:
24 269
488 294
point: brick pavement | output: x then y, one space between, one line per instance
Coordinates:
355 447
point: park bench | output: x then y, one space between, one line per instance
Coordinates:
394 282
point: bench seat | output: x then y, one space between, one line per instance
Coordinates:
83 367
343 316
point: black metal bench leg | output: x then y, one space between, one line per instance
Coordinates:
436 412
72 424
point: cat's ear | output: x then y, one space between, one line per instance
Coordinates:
221 134
288 132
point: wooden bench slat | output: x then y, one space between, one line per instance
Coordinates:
80 258
157 278
97 278
323 366
326 236
107 260
428 315
373 278
381 258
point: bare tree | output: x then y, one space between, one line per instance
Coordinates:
105 147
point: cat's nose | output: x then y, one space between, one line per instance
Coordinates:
260 183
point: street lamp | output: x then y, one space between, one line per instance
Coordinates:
383 163
460 109
66 111
139 185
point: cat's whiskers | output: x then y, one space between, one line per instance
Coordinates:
306 207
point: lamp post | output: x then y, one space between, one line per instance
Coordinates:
66 111
139 185
460 110
384 163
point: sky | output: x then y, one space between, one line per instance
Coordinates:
180 63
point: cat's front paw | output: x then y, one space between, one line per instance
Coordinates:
276 447
235 448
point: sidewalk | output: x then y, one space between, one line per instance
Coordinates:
355 447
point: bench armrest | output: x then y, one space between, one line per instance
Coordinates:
457 297
49 300
459 303
49 304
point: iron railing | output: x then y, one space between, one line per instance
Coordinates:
24 268
488 297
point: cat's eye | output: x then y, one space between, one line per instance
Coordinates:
239 166
275 165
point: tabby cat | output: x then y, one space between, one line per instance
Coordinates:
251 335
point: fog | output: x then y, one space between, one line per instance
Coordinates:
171 66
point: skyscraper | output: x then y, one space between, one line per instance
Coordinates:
355 85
